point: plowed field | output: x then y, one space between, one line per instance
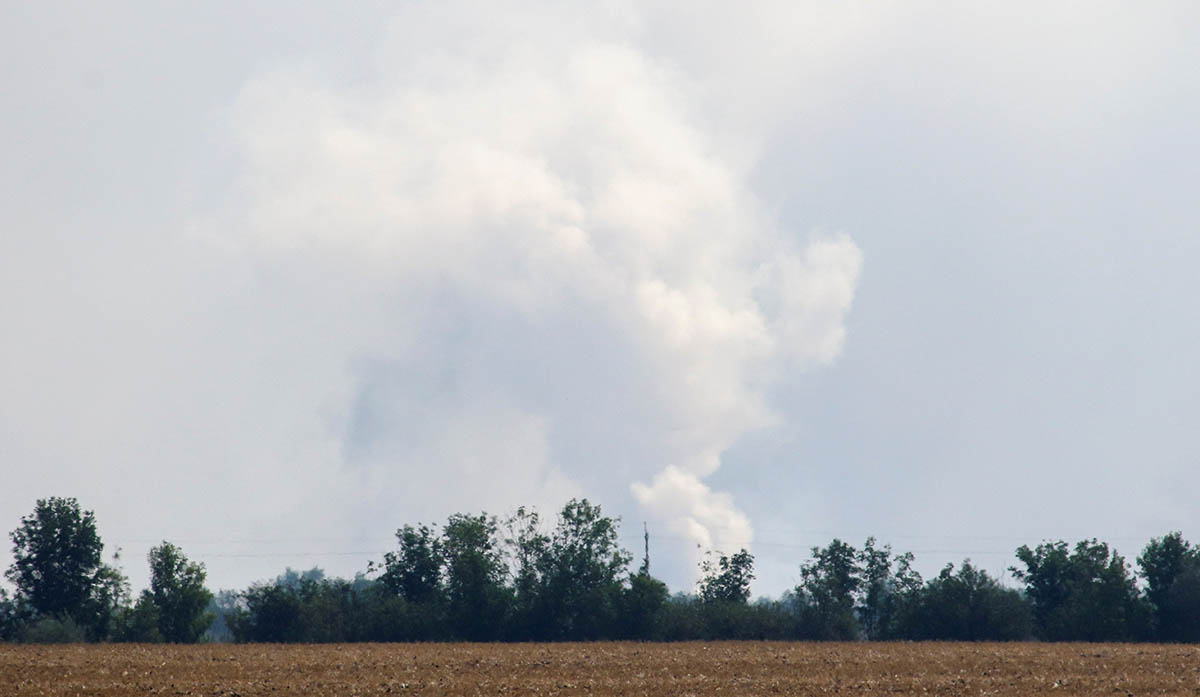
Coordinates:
602 669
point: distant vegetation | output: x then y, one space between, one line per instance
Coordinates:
482 578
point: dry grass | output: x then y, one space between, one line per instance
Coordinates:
602 669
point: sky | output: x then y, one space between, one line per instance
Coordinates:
277 278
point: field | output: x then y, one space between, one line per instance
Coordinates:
602 669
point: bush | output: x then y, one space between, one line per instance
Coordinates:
49 630
138 624
14 615
681 619
969 605
642 607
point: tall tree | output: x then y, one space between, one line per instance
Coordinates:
58 569
110 597
969 605
581 573
1084 594
829 582
295 578
727 580
178 594
1048 577
1171 567
642 604
888 589
527 550
13 616
57 555
478 600
414 572
269 613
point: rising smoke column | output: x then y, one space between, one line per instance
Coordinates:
570 260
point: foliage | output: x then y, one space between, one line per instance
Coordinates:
477 578
761 620
478 601
57 555
829 582
642 606
689 617
330 611
969 605
1085 594
294 578
1181 620
414 572
110 595
224 604
1171 568
271 614
14 616
53 630
526 549
579 574
138 623
888 590
177 594
58 571
728 579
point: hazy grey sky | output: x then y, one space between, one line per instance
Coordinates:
276 278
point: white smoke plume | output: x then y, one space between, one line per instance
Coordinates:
577 290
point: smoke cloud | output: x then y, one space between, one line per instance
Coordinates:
578 291
313 273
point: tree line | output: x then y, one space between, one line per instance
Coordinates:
483 578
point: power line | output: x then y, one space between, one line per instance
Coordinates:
266 555
628 540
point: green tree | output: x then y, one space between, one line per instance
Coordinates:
888 589
14 615
527 550
270 613
178 594
1183 606
294 578
642 605
224 604
138 623
969 605
1084 594
727 580
829 582
330 611
579 574
109 598
1048 577
58 570
1171 568
58 557
414 572
478 601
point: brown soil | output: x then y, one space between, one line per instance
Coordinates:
602 669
